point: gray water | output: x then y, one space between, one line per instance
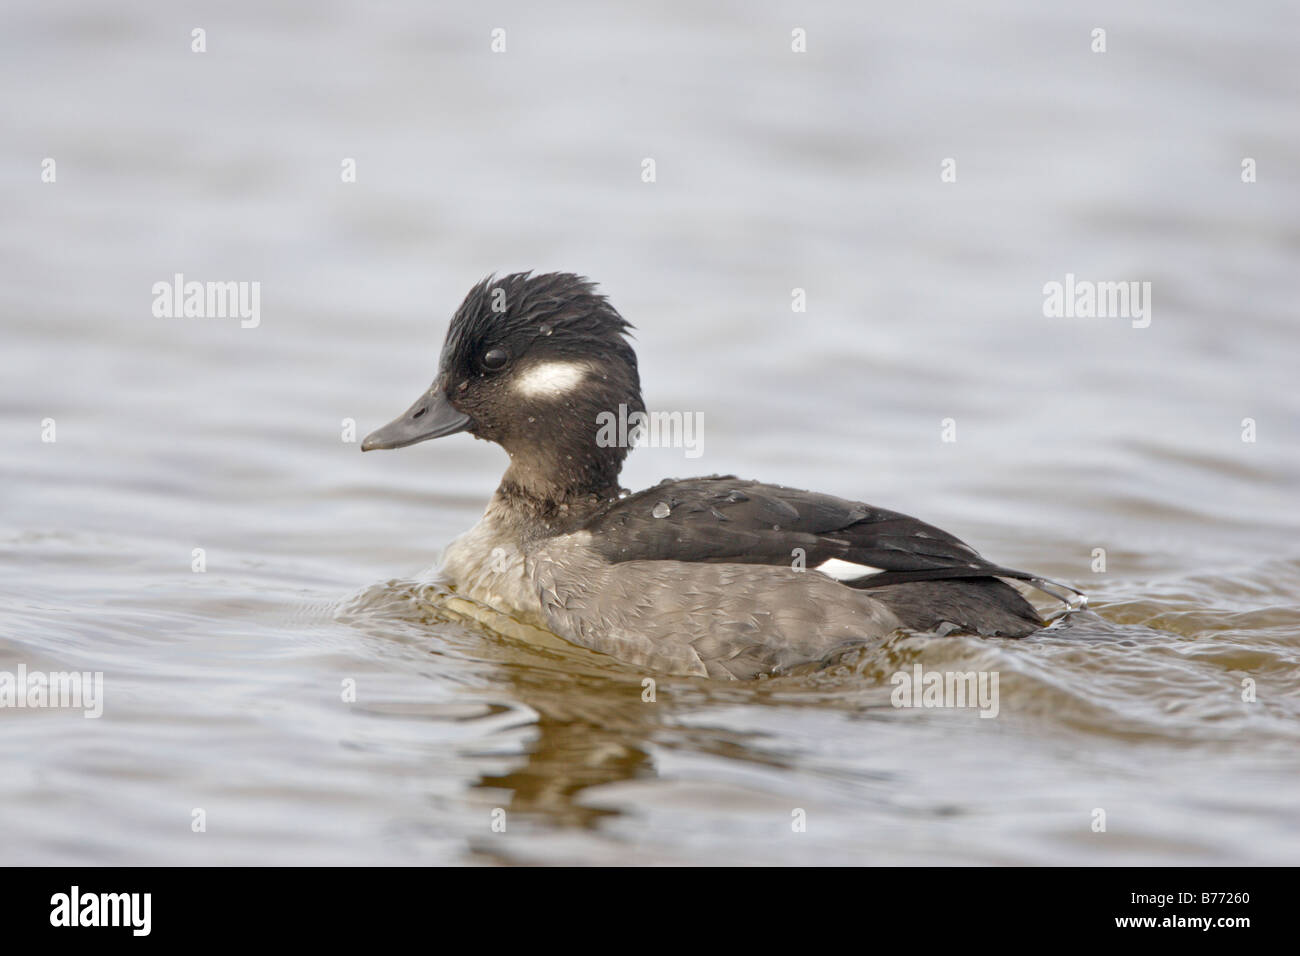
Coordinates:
224 690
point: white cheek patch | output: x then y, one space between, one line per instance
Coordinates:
550 378
845 570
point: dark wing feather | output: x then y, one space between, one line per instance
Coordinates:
724 519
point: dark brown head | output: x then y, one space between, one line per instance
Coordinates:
531 363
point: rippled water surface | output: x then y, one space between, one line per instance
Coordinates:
820 171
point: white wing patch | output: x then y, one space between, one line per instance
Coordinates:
845 570
550 378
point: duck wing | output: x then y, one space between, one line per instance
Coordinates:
724 519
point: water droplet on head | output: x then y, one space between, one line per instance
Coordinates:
661 510
544 329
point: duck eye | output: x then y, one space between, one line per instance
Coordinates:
494 359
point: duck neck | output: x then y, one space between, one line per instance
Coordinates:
559 485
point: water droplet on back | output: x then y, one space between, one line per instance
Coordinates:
661 510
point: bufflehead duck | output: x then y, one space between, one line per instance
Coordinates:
698 577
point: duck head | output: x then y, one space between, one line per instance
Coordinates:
531 362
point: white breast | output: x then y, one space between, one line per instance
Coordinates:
487 566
